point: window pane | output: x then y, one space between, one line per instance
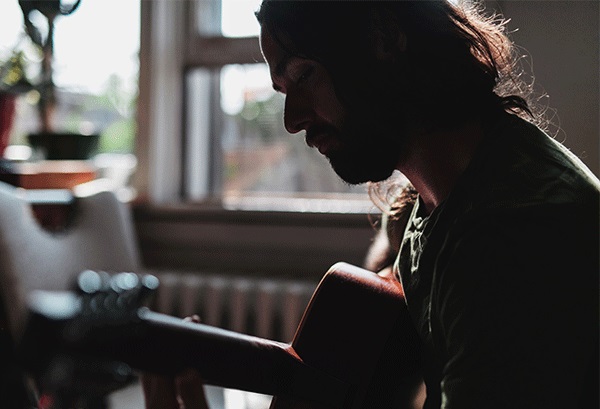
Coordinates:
238 18
229 18
95 70
258 158
11 24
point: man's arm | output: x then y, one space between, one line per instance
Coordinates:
380 255
384 249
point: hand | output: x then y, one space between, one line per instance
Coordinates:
387 272
184 391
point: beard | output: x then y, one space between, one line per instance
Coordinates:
372 144
363 162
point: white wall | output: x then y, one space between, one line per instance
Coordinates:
562 38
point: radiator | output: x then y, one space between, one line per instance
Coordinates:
269 308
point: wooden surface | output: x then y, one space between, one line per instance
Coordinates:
54 174
48 186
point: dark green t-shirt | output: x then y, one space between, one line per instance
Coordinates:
501 279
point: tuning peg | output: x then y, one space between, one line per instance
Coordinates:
89 282
124 282
149 286
136 297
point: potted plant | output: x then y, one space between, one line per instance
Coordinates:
53 144
13 81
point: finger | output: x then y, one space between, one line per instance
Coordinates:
194 318
159 392
190 390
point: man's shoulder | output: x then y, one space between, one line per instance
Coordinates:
521 166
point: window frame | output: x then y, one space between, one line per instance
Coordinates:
167 28
296 243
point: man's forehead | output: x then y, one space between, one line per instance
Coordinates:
274 54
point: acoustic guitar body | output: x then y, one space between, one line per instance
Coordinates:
357 329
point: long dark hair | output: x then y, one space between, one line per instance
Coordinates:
459 62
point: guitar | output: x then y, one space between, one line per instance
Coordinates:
355 347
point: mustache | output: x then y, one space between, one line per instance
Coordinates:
318 129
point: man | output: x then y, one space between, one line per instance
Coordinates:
496 239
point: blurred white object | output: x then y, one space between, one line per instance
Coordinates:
100 237
117 167
18 153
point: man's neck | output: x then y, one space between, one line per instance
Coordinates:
437 159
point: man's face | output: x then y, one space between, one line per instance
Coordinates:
358 146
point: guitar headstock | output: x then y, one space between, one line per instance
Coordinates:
97 298
106 298
64 342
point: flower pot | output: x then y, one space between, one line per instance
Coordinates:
64 145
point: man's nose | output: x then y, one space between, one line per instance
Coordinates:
297 115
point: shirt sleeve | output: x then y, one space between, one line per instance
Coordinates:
514 311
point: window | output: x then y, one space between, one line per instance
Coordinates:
231 145
96 70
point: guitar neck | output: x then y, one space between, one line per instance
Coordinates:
153 342
229 359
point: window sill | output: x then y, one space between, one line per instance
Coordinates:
252 242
